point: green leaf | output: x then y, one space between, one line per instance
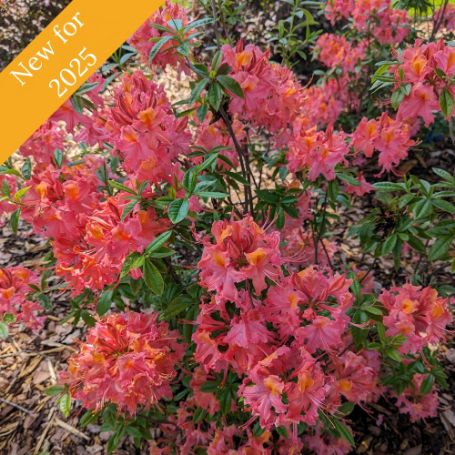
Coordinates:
344 431
64 404
158 242
58 157
348 178
231 85
152 277
104 302
202 112
416 243
190 180
115 439
211 159
4 332
443 205
54 390
177 306
374 310
199 23
225 401
88 318
87 418
211 194
393 354
216 60
198 88
444 174
346 408
18 195
14 220
162 252
128 208
9 318
446 102
215 96
427 384
133 261
422 208
156 48
27 169
389 244
440 248
178 210
121 187
388 186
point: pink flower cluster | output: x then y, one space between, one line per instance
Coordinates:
276 340
145 131
389 136
388 25
272 96
242 250
317 152
14 291
418 314
171 16
336 51
128 359
43 142
429 69
89 238
416 404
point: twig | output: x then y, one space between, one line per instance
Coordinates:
243 162
438 23
70 429
17 406
45 431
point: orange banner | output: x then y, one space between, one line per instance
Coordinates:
59 60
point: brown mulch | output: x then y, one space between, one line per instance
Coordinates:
21 21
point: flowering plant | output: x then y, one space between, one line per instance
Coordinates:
197 239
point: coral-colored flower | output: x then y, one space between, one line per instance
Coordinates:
171 15
14 289
272 96
415 403
421 102
128 359
145 131
358 376
43 143
307 394
265 398
317 152
393 141
417 313
242 251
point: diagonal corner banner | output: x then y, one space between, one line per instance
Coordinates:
59 60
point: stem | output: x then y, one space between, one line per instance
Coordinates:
244 163
438 23
215 16
317 239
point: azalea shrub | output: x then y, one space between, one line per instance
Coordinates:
197 240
